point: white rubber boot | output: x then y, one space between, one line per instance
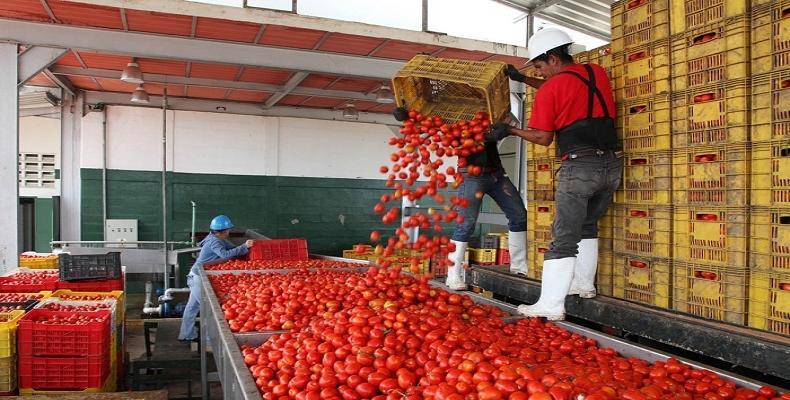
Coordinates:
517 245
455 273
556 281
583 282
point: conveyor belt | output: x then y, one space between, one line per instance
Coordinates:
237 381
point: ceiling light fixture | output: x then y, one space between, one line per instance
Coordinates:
132 73
140 95
350 112
384 95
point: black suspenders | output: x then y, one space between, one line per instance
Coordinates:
592 91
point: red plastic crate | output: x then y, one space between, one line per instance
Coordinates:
39 339
503 257
59 373
8 285
100 285
279 249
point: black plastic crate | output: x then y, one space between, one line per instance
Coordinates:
484 242
90 266
26 305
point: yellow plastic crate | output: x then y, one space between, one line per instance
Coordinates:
771 37
715 114
581 57
643 230
712 292
540 215
643 280
639 22
535 259
482 256
535 151
715 236
604 276
769 302
604 59
691 14
8 326
8 374
770 240
709 175
541 178
453 89
771 174
645 124
647 178
42 262
606 231
642 71
711 54
771 106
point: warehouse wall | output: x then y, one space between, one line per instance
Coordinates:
282 176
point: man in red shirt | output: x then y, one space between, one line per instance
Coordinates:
574 104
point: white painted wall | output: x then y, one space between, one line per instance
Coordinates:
40 135
235 144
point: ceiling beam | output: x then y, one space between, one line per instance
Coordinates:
292 83
231 107
190 49
544 5
603 12
263 16
574 24
35 59
213 83
39 111
63 83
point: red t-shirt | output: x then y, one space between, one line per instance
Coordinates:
562 99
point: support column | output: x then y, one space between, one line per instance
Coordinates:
9 155
70 179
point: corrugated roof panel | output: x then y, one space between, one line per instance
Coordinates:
31 10
276 35
263 75
69 59
105 61
170 24
221 29
463 54
356 84
404 50
350 44
40 80
172 90
323 102
517 61
164 67
214 71
366 105
85 14
206 93
292 100
317 81
84 83
248 95
116 85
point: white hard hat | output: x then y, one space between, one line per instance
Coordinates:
545 40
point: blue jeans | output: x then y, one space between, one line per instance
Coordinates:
188 328
585 187
497 185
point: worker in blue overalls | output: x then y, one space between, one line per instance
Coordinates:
214 247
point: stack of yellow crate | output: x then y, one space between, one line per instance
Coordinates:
641 215
769 259
710 162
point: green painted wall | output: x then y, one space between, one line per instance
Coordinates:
275 206
43 219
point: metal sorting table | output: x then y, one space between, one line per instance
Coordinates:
238 383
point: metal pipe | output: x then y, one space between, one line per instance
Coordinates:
104 172
149 289
193 222
169 292
164 183
152 310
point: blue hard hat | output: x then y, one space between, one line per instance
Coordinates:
220 223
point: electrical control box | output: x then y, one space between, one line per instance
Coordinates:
121 230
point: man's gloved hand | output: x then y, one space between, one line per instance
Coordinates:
513 74
400 113
498 131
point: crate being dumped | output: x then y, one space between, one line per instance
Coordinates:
90 266
453 89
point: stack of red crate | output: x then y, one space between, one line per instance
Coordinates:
72 354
